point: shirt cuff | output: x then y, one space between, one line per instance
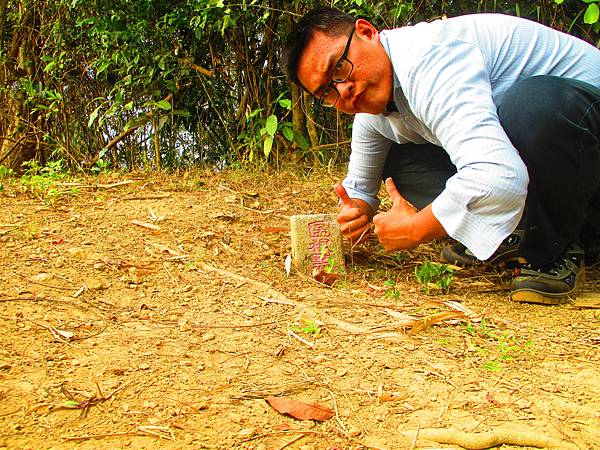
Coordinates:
481 237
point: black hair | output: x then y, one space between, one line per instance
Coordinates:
329 20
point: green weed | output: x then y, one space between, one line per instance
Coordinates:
307 327
434 276
501 346
391 289
42 181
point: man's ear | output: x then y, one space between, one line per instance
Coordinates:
365 30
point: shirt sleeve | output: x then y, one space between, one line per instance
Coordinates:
370 149
449 91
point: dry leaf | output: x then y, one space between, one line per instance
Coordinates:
64 334
300 410
283 427
426 322
326 278
390 397
490 398
166 250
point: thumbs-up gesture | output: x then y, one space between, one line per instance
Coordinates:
353 218
395 228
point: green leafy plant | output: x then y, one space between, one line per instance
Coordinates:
391 289
497 346
5 172
307 327
434 276
591 13
41 181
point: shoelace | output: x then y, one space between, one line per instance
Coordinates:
554 268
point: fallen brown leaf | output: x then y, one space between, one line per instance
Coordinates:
426 322
326 278
300 410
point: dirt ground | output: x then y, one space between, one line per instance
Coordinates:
171 332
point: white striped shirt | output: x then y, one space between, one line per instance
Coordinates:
449 75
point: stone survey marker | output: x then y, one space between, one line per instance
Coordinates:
317 244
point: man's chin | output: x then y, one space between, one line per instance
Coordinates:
367 109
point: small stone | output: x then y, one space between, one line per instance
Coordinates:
202 406
75 362
59 262
354 432
247 433
188 439
150 404
144 366
40 277
184 325
236 418
341 372
318 359
95 284
208 336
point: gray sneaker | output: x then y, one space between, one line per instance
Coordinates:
506 254
552 284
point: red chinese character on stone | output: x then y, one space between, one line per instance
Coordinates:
319 234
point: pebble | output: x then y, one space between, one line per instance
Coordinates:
235 418
188 439
184 325
208 336
247 433
95 284
40 277
354 432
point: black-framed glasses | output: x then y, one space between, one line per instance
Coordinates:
341 72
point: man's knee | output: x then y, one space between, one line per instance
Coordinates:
537 111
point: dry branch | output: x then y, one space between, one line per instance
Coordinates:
512 435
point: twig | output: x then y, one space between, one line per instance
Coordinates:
337 415
414 441
274 433
146 197
494 438
99 436
304 341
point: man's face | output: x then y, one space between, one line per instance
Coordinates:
369 86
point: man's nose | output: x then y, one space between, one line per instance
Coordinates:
345 89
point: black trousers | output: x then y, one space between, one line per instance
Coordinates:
554 123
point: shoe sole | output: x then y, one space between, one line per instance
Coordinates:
543 298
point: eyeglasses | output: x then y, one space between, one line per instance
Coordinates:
341 72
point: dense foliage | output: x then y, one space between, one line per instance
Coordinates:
151 83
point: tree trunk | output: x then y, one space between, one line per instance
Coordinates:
310 120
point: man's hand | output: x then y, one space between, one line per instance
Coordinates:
353 218
394 228
402 227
